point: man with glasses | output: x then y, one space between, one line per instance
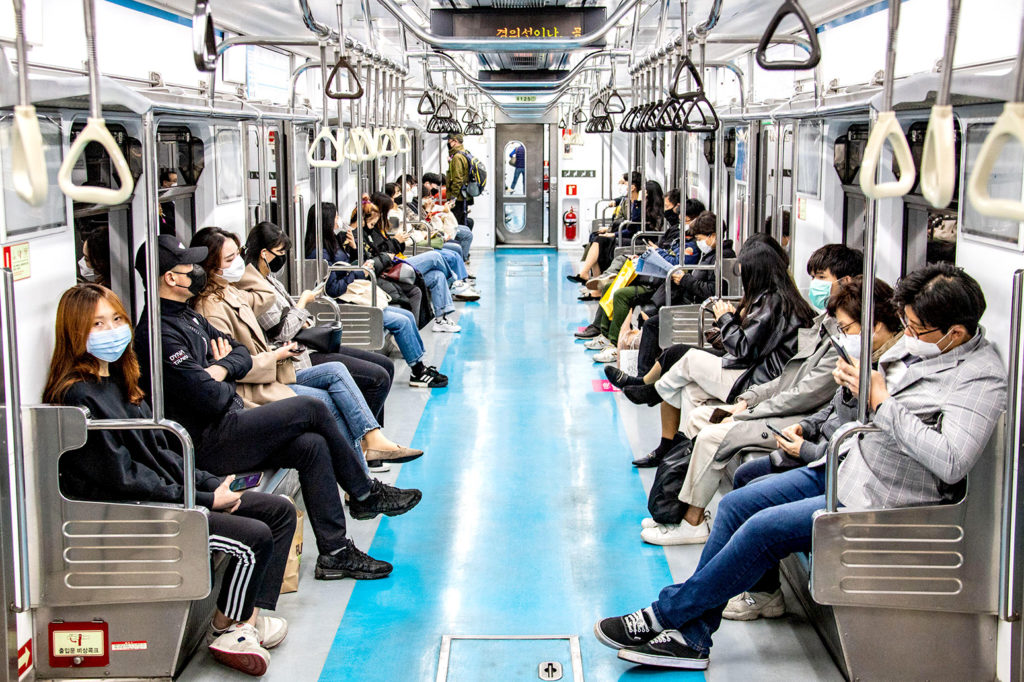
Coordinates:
935 398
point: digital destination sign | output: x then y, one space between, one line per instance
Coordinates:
542 23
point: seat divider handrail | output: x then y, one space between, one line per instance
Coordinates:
188 451
372 276
832 463
1009 597
704 308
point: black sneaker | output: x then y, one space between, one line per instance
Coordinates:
384 499
351 563
645 394
429 378
667 650
630 630
589 332
620 379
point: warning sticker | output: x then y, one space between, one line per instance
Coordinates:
25 658
129 646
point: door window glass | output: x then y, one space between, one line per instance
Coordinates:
515 169
515 217
228 143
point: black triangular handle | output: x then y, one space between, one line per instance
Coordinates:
614 103
343 62
789 7
668 114
626 124
579 117
434 125
703 107
599 109
561 123
204 37
426 100
686 63
443 110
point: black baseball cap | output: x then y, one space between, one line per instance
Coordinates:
454 136
171 254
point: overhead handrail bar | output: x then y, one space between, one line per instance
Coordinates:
15 453
938 158
785 9
1009 125
204 37
488 45
95 131
887 127
28 161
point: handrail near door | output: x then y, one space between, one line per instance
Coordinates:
1011 542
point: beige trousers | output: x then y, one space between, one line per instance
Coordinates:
697 379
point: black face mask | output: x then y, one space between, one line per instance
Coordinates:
277 262
434 192
398 200
197 280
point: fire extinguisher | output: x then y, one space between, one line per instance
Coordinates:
569 223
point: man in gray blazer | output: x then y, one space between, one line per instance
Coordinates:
936 400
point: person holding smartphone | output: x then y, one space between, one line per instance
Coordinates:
94 366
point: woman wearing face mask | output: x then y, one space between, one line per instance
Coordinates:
266 249
94 265
235 296
94 366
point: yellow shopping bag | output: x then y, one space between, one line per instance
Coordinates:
626 275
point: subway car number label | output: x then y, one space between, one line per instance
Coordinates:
78 645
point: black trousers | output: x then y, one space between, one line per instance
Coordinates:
459 210
650 347
295 433
256 537
372 372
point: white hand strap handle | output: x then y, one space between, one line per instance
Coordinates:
96 131
28 165
328 136
938 161
1009 124
387 145
365 144
403 140
350 147
887 128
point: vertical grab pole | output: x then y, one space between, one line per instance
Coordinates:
156 366
318 214
867 311
15 439
1009 597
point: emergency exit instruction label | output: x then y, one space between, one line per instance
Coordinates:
16 259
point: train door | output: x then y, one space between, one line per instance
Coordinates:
519 152
774 176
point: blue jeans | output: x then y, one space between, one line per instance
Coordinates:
402 325
436 274
332 384
454 261
756 527
515 178
464 236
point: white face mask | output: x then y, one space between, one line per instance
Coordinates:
851 344
234 272
87 272
923 349
704 246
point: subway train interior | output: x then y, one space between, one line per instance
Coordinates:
508 340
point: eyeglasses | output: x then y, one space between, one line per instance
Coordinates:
845 327
915 333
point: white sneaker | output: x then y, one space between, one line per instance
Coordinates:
272 630
673 534
649 523
379 467
462 291
459 286
239 648
754 605
443 324
609 354
597 343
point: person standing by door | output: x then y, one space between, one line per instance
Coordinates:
458 178
518 159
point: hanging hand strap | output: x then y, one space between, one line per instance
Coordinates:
615 105
28 163
938 160
887 128
403 140
789 7
355 94
387 144
204 38
426 105
96 131
695 107
1009 125
698 83
325 135
365 144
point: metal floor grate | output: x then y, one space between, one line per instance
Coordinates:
449 670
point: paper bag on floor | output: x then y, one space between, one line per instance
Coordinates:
291 569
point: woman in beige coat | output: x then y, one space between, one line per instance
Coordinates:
286 371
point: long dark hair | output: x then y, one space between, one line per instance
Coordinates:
763 271
329 212
655 204
265 235
213 239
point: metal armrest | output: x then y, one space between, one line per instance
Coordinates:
704 308
832 463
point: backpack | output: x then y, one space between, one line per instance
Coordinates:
477 179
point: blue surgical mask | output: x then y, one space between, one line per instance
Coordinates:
819 293
109 344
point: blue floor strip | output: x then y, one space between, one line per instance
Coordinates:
531 513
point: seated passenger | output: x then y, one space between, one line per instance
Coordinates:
711 454
431 182
943 371
234 297
600 249
201 368
399 321
94 265
804 385
95 367
266 249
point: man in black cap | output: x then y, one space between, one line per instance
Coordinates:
458 177
201 366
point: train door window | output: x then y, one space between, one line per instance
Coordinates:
847 158
854 215
515 169
929 234
729 183
20 220
767 161
181 160
228 159
1004 183
809 150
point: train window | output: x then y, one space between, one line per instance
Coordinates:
809 153
849 153
20 219
515 169
1005 183
915 137
929 234
228 157
854 213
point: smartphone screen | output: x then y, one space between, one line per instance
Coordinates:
780 434
246 481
